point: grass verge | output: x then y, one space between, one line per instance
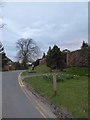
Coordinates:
72 93
42 69
81 71
28 72
38 69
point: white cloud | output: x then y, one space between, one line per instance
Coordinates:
38 24
1 21
30 32
63 24
12 25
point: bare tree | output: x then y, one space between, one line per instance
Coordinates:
1 48
27 50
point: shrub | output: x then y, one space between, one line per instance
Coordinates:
64 77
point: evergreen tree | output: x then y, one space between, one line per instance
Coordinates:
84 45
54 58
44 55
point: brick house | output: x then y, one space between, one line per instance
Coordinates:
8 65
42 61
78 58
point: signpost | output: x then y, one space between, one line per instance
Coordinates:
54 84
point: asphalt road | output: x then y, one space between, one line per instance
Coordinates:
14 102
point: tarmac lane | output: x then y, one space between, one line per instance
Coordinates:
14 102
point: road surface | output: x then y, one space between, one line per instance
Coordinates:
14 102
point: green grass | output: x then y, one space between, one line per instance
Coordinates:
28 72
38 69
72 94
81 71
42 69
72 88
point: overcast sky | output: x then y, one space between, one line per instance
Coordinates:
64 24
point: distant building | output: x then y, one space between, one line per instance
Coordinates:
78 58
7 64
42 61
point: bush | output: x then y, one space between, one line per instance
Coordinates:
60 78
64 77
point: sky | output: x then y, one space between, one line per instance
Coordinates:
48 23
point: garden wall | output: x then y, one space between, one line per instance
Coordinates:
79 58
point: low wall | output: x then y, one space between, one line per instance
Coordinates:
79 58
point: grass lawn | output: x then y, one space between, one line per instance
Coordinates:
82 71
72 92
28 72
42 69
38 69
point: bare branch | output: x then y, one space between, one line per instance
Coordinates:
27 49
